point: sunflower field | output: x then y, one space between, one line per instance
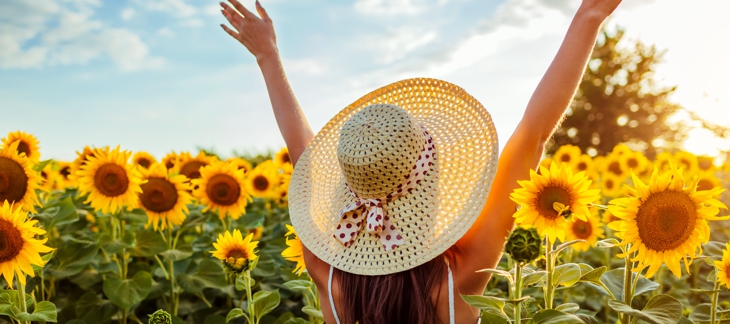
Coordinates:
122 237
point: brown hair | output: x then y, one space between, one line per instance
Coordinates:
402 297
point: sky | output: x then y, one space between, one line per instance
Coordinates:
161 75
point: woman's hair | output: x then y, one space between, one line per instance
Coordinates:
402 297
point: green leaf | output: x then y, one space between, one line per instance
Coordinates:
594 275
552 316
111 246
241 283
565 246
72 257
533 278
614 281
134 216
41 165
44 312
129 292
607 243
568 308
299 285
587 319
483 302
234 314
498 272
180 253
93 309
149 244
566 274
492 318
701 313
59 213
661 309
265 301
311 311
209 274
713 249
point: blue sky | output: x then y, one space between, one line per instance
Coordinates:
160 75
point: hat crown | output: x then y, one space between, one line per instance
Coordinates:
378 147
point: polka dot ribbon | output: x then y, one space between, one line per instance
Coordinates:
377 223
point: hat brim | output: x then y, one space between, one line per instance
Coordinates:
432 217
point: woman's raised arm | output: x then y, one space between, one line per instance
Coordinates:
482 245
258 36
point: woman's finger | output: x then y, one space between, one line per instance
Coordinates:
262 12
236 23
242 9
230 32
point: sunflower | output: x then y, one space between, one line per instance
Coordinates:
18 181
28 144
607 217
110 181
614 166
295 251
664 221
51 178
262 180
190 166
553 187
281 192
257 232
708 181
221 189
164 197
545 163
589 230
584 164
568 154
241 163
64 173
19 249
662 161
283 161
143 159
235 251
81 159
611 185
170 160
706 163
633 161
620 149
687 161
723 267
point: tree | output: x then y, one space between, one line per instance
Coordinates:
618 101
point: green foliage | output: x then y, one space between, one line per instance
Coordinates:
524 245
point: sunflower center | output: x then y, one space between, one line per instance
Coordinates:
144 162
705 184
192 169
609 184
65 172
582 166
169 164
158 195
23 147
237 254
261 183
565 158
285 158
550 195
582 229
111 180
632 162
11 242
223 190
615 168
666 220
13 180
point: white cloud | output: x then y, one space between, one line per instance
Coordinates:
309 67
75 38
192 22
390 7
166 32
212 10
397 43
177 8
127 14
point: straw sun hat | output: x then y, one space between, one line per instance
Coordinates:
368 198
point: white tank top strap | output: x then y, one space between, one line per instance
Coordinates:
332 301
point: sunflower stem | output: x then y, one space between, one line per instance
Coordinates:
628 293
713 306
518 291
171 272
251 314
21 298
550 267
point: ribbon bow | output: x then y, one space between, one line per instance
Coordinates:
376 221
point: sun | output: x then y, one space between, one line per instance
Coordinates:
222 190
589 230
235 251
18 180
723 267
27 145
539 196
295 251
263 179
110 181
19 249
665 221
164 197
143 159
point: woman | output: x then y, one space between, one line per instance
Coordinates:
371 279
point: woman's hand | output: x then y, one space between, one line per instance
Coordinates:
599 8
256 34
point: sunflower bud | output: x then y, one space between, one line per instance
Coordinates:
237 265
562 209
524 245
160 317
